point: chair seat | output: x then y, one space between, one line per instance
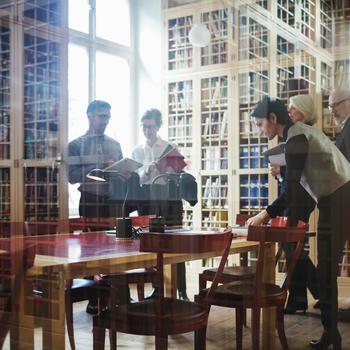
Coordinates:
231 273
178 316
243 292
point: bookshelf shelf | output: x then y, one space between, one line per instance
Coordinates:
32 96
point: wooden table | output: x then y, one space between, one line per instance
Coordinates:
67 256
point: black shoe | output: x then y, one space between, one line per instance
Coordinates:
293 308
325 342
183 296
92 309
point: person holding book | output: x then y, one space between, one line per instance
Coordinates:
149 153
313 161
94 150
300 108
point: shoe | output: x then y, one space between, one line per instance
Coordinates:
317 305
325 342
183 296
92 309
293 308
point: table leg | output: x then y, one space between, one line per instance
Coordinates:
54 309
269 314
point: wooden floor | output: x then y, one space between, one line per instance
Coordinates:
300 329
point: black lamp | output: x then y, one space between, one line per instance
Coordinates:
124 226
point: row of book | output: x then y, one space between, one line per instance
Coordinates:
214 192
215 158
215 124
5 192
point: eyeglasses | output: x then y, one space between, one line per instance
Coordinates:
148 126
335 105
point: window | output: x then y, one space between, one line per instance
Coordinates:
100 52
113 21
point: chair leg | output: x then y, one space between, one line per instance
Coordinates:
99 335
69 320
202 282
200 338
161 342
113 339
280 328
255 327
140 291
240 311
244 317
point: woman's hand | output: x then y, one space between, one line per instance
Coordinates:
258 219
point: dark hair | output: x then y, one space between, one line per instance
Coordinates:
153 114
268 105
97 105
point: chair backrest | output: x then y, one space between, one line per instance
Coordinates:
187 242
276 234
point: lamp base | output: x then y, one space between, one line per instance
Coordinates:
124 228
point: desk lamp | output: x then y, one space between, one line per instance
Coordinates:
124 226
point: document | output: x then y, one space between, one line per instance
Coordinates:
276 155
124 165
173 159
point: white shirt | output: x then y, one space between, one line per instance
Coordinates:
342 124
146 154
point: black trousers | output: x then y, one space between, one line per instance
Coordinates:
333 231
304 277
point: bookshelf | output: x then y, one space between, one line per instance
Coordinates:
33 110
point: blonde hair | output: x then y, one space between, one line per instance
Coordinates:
305 104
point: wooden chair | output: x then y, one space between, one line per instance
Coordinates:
231 273
255 294
162 316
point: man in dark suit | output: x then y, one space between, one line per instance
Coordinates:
339 106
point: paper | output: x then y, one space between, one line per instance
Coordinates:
276 155
125 165
173 159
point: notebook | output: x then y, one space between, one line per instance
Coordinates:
173 159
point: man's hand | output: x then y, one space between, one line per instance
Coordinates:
258 219
151 168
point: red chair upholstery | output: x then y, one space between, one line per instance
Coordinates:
162 316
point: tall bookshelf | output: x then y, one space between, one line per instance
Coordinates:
33 95
276 48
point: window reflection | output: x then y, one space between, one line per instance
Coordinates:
113 21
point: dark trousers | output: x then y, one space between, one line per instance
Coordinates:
333 231
305 276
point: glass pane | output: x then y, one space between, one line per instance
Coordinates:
79 15
113 86
113 21
78 92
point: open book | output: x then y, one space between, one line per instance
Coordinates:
124 165
174 159
276 155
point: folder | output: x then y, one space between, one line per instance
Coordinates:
173 159
276 155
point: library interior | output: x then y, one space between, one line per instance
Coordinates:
213 215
